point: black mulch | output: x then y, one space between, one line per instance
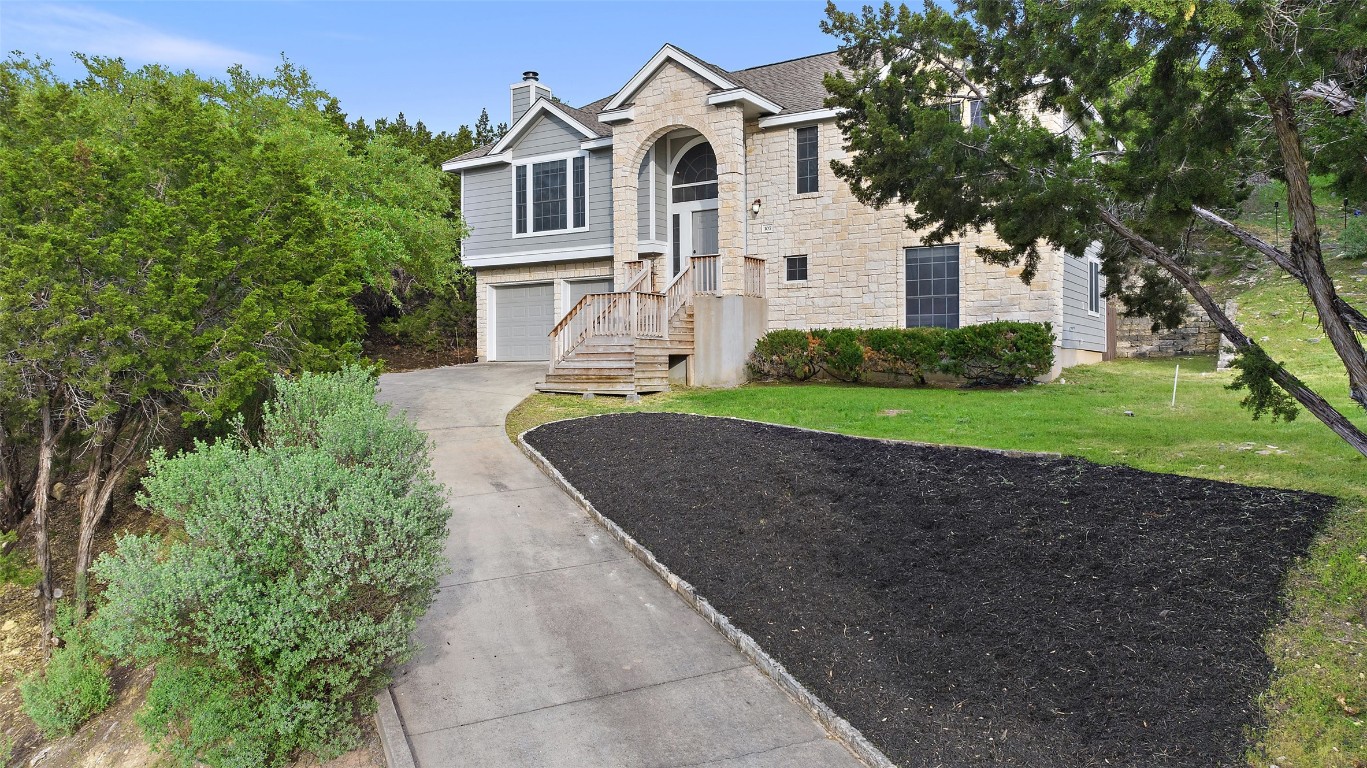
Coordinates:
961 607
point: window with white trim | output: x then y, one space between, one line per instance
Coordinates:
807 171
1094 286
549 195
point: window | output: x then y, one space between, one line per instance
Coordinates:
796 269
551 194
955 110
976 117
578 192
806 160
520 199
933 286
550 204
1094 286
695 177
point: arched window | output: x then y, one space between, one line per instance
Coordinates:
695 177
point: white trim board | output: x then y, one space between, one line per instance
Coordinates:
793 118
547 255
539 107
477 162
666 53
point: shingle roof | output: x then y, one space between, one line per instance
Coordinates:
796 85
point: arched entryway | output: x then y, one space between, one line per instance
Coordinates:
692 204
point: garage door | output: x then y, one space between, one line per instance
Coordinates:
523 318
581 288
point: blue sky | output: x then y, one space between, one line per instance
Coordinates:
435 61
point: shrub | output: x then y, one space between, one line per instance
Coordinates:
306 559
1353 241
74 687
783 355
839 353
903 351
999 354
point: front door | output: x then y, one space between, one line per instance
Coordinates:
693 206
695 229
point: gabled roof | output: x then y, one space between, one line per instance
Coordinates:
794 86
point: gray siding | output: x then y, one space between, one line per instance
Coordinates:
1081 329
661 192
487 198
549 135
522 101
643 199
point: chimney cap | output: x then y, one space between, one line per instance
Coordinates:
530 76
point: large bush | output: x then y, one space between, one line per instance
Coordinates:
783 355
992 354
74 686
999 354
303 563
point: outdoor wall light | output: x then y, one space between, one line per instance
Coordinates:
754 207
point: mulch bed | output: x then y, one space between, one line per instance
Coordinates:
962 607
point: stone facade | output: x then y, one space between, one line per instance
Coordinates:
1134 336
487 278
675 99
855 253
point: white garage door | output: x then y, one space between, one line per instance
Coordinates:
523 316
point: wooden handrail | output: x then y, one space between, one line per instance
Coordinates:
634 284
754 277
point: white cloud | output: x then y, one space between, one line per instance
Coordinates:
51 30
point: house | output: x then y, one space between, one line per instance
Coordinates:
653 235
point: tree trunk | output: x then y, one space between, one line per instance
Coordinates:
47 446
11 485
1305 247
1307 397
1350 314
108 464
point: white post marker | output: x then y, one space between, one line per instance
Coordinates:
1174 384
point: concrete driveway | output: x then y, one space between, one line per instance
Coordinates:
548 644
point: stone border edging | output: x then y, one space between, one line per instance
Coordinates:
393 741
837 726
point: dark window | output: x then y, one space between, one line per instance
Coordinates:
797 269
955 110
1094 286
550 204
520 199
677 246
933 286
578 191
695 177
806 160
976 118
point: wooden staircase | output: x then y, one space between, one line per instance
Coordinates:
620 343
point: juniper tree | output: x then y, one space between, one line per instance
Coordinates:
169 243
1170 106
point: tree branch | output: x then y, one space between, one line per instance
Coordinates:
1350 314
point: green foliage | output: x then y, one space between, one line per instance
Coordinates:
1353 241
991 354
904 351
783 355
840 354
305 560
1264 396
999 354
75 685
174 241
437 318
13 567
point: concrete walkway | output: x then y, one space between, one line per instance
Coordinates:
550 645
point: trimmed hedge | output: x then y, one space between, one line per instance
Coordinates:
996 354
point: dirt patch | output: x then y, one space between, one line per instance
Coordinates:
962 607
398 357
